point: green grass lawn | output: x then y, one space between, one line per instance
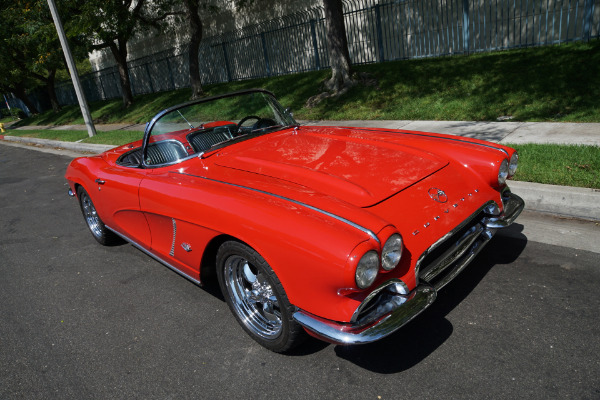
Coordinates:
5 120
553 83
567 165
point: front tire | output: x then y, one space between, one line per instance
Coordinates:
256 297
100 232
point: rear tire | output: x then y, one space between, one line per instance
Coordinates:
257 298
100 232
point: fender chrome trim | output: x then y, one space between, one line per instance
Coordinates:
341 219
155 256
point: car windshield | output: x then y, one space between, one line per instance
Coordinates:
197 127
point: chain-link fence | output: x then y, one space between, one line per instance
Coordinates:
377 31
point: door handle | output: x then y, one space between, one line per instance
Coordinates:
100 181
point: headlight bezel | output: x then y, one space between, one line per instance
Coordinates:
503 172
367 269
396 243
513 164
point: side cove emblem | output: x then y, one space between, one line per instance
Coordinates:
438 195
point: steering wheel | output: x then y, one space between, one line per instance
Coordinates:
260 123
246 118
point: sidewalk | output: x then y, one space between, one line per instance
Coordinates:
499 132
565 201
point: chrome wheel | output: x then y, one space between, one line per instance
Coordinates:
90 215
256 297
99 231
252 297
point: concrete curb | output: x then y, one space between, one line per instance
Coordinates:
74 146
573 202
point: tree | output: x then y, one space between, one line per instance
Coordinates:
339 56
337 45
192 13
30 45
112 23
195 25
40 47
12 78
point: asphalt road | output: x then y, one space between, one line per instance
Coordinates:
82 321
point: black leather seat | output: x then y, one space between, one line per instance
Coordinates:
204 140
165 152
158 153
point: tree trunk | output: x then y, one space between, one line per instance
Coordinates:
120 54
193 51
52 90
337 45
19 91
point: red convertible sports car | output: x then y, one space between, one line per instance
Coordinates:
344 233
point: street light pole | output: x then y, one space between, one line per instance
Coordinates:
87 117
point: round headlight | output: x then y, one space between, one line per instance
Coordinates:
512 165
392 252
367 268
503 172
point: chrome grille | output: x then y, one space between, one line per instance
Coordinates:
450 255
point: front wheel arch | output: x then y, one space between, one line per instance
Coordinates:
99 231
256 297
208 263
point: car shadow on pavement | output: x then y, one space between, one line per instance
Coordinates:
421 337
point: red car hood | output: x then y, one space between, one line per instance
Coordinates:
358 170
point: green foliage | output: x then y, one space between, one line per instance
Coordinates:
10 115
112 23
101 22
31 51
17 112
29 37
83 67
5 116
568 165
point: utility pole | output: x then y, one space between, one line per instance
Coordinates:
87 117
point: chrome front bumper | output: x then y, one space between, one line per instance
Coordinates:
387 309
412 305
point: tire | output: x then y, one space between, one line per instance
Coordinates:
256 297
99 231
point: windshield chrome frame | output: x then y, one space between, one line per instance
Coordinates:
271 99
